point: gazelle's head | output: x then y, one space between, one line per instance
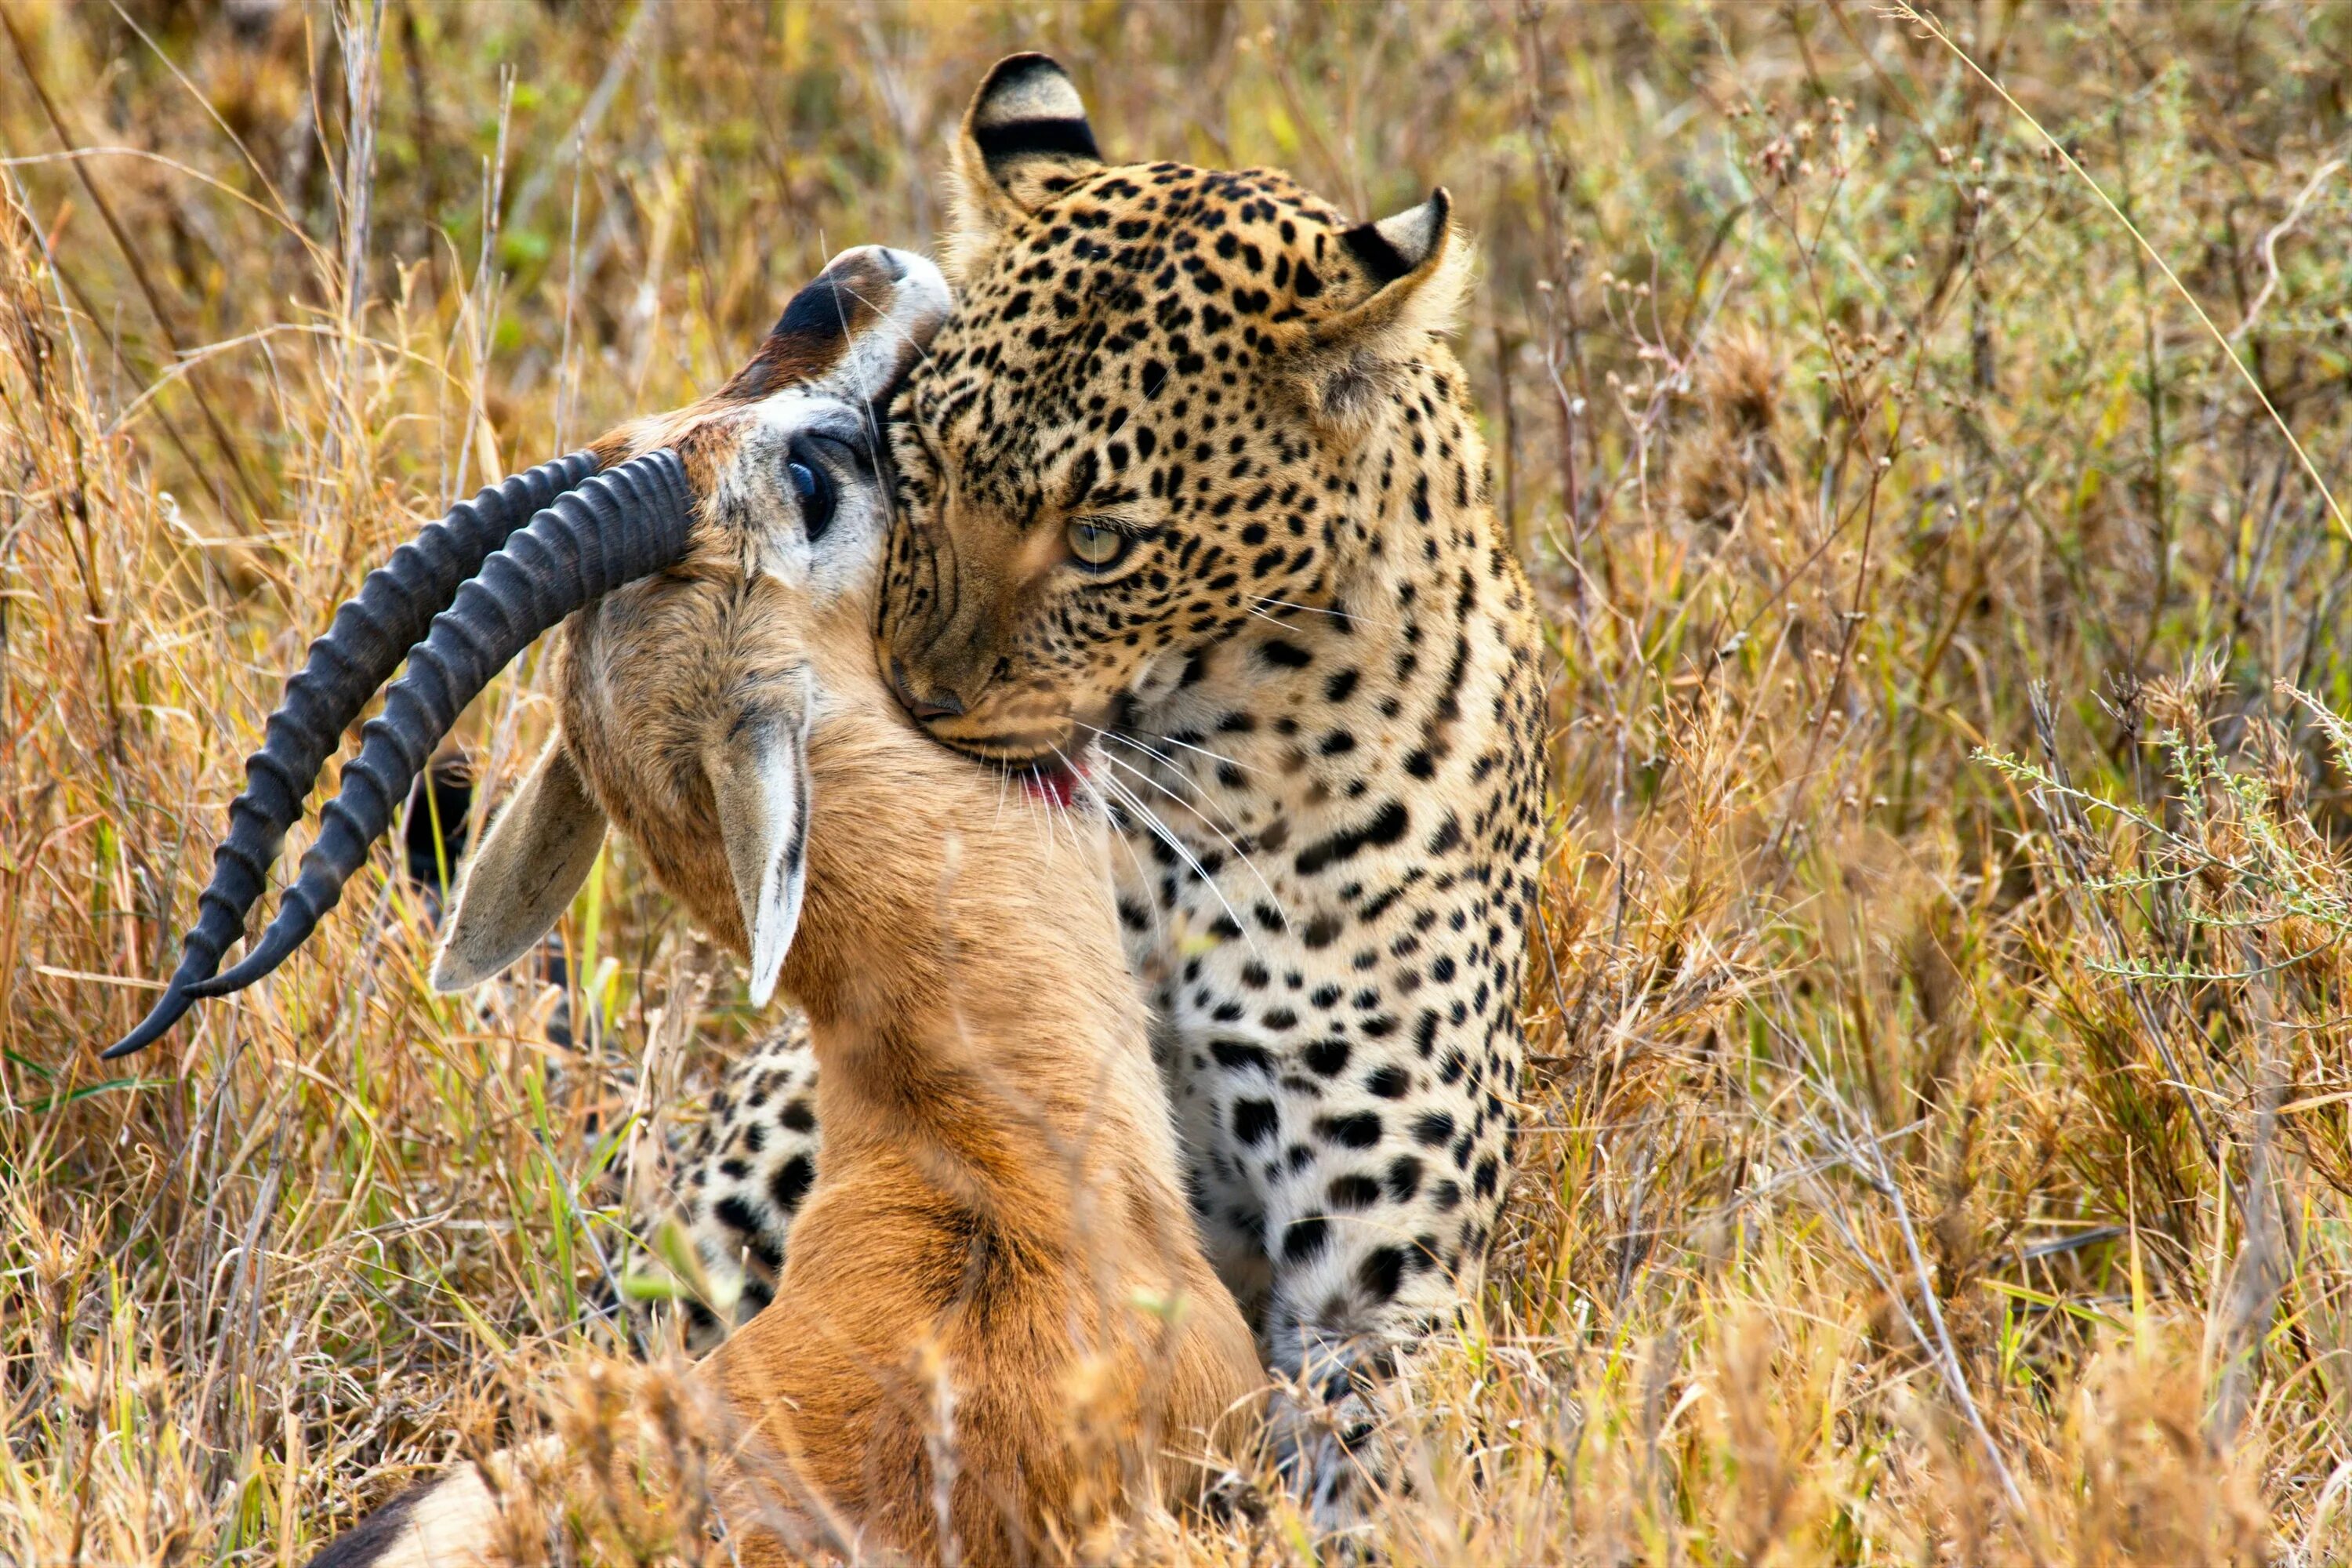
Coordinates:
713 561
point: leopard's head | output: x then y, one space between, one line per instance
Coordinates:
1169 399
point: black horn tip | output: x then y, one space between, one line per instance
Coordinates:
168 1010
277 945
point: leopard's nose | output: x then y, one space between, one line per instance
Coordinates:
936 705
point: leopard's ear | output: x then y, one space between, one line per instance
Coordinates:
1026 139
1409 273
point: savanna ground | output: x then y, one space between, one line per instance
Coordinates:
1941 1149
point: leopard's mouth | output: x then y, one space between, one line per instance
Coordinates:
1053 780
1010 753
1047 770
1046 746
1061 776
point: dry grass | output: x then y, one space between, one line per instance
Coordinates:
1942 1148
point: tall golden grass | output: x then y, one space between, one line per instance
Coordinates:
1941 1149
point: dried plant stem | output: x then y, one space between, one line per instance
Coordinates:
1911 13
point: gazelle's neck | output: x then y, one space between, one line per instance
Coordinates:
959 957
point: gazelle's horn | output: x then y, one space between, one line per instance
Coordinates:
370 636
589 535
623 524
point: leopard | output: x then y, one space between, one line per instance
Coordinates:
1194 515
741 1176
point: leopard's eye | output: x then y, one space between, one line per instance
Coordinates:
1095 546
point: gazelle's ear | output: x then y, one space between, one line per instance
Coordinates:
1410 271
760 780
1026 139
519 882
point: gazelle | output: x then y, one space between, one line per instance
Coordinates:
999 1206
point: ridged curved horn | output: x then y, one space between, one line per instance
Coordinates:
369 636
625 524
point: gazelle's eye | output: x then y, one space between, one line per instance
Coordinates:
813 487
1095 546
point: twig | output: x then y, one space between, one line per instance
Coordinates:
2270 244
130 254
1910 14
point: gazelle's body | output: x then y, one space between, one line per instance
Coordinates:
1000 1185
998 1178
997 1323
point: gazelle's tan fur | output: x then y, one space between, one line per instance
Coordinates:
998 1258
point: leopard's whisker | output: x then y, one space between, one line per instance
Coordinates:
1213 756
1052 808
1238 852
1128 737
1078 834
1162 831
1206 820
1350 616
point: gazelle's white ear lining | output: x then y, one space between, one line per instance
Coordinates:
775 916
760 781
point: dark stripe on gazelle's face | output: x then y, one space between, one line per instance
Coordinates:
847 338
851 333
839 324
